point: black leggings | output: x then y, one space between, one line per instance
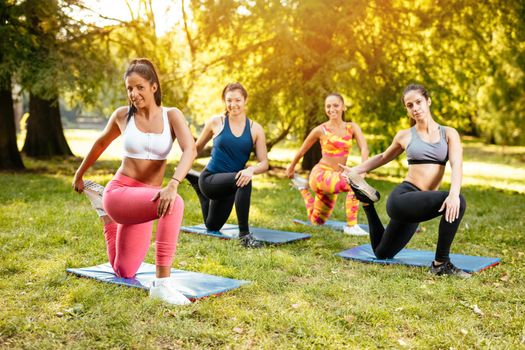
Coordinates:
217 194
407 206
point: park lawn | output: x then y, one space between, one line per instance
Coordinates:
300 295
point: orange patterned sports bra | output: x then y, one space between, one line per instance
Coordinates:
333 145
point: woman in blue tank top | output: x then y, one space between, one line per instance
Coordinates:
226 180
428 146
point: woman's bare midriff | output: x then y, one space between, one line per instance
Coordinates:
147 171
333 162
426 177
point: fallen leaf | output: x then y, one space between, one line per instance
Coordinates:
477 310
496 284
238 330
505 277
350 319
399 309
464 331
402 342
183 263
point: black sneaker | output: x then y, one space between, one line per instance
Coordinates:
249 241
363 191
447 268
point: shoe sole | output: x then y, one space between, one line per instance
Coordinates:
251 243
299 183
93 187
359 184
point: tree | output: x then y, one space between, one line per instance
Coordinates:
9 155
66 55
10 47
290 54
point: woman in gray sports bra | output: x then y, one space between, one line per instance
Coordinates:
428 146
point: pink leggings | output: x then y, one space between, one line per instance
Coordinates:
327 183
128 203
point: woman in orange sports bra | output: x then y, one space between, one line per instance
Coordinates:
326 181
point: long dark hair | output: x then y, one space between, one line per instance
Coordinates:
146 69
231 87
342 101
414 87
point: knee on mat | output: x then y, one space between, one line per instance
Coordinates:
212 227
381 254
125 272
318 221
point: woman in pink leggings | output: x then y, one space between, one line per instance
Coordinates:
134 197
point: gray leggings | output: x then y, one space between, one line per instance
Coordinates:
407 206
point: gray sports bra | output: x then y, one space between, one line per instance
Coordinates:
422 152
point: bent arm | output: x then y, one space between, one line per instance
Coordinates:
455 156
260 151
394 150
206 134
310 140
186 144
110 133
361 142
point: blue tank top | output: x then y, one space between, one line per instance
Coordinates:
230 153
422 152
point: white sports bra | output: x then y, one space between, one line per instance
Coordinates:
146 145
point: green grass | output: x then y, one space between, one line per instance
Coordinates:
301 295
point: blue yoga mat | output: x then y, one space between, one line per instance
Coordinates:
193 285
414 257
333 224
229 231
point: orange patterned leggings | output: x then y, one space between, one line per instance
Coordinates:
326 184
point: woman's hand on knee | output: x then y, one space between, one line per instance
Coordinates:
166 200
244 177
451 207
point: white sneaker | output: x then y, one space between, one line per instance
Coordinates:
355 230
164 289
299 183
94 192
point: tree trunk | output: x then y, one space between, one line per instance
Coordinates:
10 158
45 135
313 155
